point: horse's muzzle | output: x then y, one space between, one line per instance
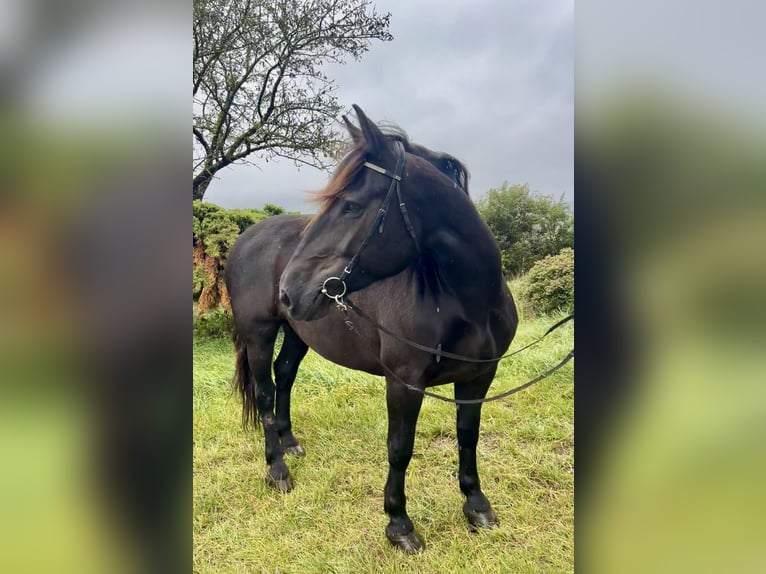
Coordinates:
303 304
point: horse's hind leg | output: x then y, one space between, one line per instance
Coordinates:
476 508
285 368
260 350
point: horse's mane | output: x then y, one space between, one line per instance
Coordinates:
448 164
353 161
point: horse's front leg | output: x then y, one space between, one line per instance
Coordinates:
285 369
403 410
476 508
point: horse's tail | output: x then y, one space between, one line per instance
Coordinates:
243 383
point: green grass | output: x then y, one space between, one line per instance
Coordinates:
333 521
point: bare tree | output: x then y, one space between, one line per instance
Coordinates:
258 80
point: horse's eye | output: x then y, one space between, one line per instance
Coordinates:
352 208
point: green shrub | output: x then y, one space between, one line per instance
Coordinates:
244 218
527 226
218 228
214 324
549 285
214 231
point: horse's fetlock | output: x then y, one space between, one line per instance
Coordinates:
268 419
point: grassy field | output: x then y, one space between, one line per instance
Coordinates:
333 521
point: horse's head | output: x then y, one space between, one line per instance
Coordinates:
360 234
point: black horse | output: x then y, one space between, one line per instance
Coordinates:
422 265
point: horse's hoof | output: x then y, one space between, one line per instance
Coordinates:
409 543
279 484
296 450
478 519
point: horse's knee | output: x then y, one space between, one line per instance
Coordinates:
399 455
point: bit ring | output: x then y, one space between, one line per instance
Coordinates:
335 296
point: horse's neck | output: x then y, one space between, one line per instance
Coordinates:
467 257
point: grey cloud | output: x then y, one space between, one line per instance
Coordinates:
490 82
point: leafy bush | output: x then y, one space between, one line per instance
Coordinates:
214 324
215 230
218 228
549 285
527 226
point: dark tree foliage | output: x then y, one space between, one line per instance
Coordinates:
272 209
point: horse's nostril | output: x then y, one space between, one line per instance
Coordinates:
284 298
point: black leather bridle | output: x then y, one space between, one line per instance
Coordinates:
380 219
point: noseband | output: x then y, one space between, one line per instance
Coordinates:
338 284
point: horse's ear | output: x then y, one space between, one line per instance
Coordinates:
355 132
374 140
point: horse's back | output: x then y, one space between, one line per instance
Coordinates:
254 266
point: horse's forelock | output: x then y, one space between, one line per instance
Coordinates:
341 177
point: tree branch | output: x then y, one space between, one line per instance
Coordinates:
257 83
201 139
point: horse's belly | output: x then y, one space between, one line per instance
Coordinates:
330 338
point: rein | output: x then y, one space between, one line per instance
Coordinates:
343 305
439 354
438 350
569 356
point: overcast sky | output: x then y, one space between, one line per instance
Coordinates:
489 81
